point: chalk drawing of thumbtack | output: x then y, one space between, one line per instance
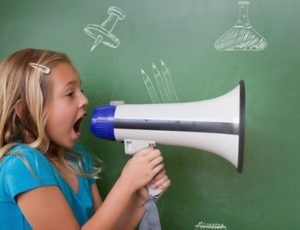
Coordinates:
103 33
241 36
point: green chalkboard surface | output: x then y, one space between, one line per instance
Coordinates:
203 48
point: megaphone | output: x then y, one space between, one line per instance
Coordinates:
214 125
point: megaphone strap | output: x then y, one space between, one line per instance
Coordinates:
150 220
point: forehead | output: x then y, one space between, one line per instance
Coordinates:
64 74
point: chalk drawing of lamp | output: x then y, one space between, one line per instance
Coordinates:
241 36
103 33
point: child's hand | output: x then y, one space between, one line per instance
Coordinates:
143 195
160 181
142 168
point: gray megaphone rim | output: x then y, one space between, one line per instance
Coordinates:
242 127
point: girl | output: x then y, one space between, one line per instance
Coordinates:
46 179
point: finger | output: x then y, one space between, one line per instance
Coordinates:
157 169
157 161
159 175
144 151
164 186
151 155
160 182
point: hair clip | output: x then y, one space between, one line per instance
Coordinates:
40 67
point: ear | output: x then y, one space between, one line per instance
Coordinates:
18 109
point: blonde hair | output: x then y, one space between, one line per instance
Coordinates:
25 90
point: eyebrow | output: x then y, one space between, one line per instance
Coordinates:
74 82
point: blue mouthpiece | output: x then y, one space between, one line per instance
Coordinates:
102 122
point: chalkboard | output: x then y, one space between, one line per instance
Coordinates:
207 47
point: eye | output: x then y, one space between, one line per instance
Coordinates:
70 94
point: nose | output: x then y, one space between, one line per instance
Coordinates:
83 101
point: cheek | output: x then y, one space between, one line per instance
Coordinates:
58 122
58 112
52 125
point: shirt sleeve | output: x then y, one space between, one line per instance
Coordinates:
27 169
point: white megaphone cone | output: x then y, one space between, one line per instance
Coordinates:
215 125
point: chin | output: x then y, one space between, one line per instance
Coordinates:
69 144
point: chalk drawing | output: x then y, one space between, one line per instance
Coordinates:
161 84
209 226
241 36
169 82
163 91
150 87
103 33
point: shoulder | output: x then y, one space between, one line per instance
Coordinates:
23 155
25 168
24 149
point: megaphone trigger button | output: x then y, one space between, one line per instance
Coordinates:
152 145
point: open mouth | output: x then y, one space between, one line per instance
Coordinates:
76 126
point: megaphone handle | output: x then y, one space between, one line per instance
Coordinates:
131 147
153 192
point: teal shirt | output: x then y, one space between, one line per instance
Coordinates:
30 169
